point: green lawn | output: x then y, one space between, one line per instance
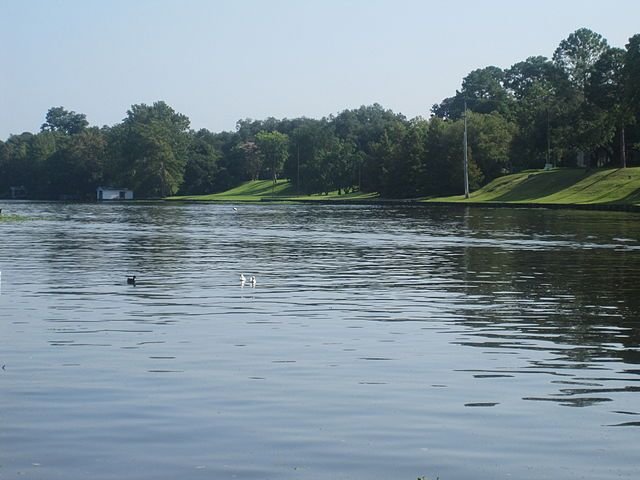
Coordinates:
257 190
335 197
561 186
247 192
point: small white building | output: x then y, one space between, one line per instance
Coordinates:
113 193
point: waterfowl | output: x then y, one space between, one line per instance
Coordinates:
131 280
253 280
242 278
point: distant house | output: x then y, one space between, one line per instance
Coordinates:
113 193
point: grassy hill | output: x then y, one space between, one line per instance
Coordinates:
571 186
560 186
265 190
247 192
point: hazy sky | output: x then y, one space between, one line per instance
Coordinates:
219 61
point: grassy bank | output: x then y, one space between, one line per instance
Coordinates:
571 186
247 192
265 190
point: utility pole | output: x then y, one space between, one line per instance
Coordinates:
548 139
466 161
298 175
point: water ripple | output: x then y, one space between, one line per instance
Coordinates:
377 340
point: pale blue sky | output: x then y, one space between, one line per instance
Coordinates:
220 61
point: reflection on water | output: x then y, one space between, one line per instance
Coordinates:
378 342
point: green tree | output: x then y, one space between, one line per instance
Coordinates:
60 120
632 73
581 128
444 159
310 143
153 152
606 90
201 168
532 74
42 147
77 168
17 167
341 162
489 138
535 84
631 76
577 54
402 151
365 127
231 169
483 91
274 146
251 157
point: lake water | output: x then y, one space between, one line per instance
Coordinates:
379 343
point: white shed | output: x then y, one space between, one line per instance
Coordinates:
113 193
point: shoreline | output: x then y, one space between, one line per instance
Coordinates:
607 189
611 207
617 207
414 202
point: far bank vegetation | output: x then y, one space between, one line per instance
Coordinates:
578 108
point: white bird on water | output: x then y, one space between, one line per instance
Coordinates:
253 280
242 279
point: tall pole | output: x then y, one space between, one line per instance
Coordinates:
548 139
298 175
466 161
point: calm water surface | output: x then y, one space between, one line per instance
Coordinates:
378 343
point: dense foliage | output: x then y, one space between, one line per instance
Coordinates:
581 107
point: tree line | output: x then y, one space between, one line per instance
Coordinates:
581 107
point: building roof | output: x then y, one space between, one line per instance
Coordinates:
114 188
